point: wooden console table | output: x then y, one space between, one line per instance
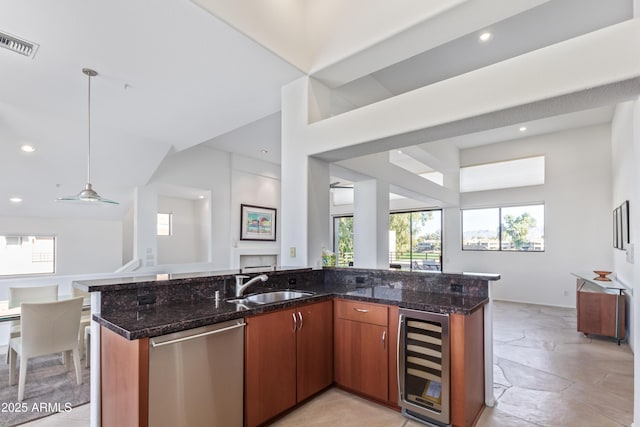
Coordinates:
600 306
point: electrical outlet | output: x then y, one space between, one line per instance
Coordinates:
146 299
359 279
566 293
457 288
292 251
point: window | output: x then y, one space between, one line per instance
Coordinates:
27 255
415 240
164 224
508 174
515 228
343 240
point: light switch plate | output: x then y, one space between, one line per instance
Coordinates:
292 251
630 253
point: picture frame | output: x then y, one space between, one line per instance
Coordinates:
624 219
257 223
615 228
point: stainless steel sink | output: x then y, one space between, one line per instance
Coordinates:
270 297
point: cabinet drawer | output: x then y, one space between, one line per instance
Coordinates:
362 312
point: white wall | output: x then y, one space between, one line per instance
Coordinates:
183 245
208 169
257 183
230 180
625 182
82 246
127 237
623 172
577 198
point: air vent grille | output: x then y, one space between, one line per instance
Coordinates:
18 45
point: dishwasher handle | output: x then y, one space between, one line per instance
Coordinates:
155 344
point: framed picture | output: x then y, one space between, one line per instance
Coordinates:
624 218
257 223
615 228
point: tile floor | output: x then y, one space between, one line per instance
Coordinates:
546 374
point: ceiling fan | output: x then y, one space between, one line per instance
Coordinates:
336 184
88 194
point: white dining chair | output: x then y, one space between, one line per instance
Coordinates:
47 328
28 294
85 320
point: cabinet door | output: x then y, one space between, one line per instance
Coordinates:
361 357
315 348
270 366
393 356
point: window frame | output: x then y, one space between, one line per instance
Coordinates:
500 228
170 215
54 261
412 211
335 233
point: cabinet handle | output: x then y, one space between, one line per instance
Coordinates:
301 321
360 310
384 337
295 322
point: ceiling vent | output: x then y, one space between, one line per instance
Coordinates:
15 44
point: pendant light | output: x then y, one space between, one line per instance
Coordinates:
88 194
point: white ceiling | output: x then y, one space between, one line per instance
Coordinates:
173 75
170 76
549 23
313 34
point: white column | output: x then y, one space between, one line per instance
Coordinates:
489 398
304 200
635 246
318 213
371 224
145 240
95 397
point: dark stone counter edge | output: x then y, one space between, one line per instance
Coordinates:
448 275
231 315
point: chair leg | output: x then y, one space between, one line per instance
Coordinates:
22 378
81 341
87 348
76 362
12 366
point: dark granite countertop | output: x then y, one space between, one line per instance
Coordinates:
166 319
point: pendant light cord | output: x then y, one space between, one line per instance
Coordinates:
89 131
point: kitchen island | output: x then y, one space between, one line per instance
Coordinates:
132 310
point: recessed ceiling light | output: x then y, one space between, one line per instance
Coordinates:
15 199
486 36
200 197
264 151
523 128
27 148
399 151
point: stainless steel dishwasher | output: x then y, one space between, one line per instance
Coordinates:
196 377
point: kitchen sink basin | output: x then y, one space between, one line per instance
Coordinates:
270 297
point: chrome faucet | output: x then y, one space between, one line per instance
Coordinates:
240 287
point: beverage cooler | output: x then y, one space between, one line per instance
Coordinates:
423 366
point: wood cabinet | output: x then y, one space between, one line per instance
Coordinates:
288 357
314 342
467 367
361 348
124 380
600 311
